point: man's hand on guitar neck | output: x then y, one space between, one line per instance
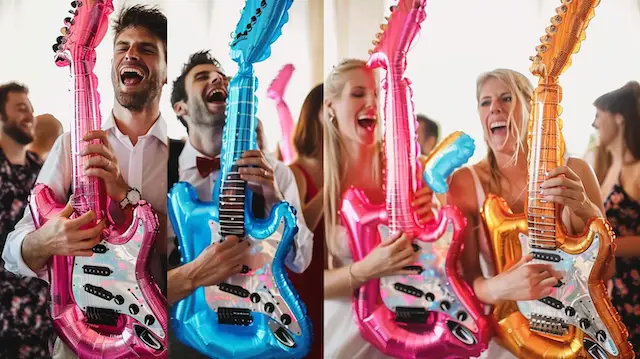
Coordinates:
61 236
261 178
214 265
102 163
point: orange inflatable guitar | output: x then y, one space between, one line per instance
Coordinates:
576 320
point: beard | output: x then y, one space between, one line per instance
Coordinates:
10 129
137 101
201 116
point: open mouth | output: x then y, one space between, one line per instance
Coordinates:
131 76
499 127
216 96
368 122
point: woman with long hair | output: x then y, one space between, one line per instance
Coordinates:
618 125
504 103
307 170
353 157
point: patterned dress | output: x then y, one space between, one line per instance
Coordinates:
26 330
624 215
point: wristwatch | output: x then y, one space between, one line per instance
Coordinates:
131 198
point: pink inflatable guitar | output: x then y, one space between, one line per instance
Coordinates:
107 305
433 313
276 93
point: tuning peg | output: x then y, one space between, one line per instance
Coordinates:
541 49
73 12
378 35
545 39
263 3
392 8
556 20
567 1
370 52
561 9
74 4
375 42
386 18
535 58
60 39
55 47
384 27
68 21
64 30
551 29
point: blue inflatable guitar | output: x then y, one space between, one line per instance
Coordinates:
257 313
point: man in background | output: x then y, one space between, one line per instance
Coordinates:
428 134
48 128
25 324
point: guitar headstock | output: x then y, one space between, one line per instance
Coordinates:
397 35
85 29
563 37
279 84
260 26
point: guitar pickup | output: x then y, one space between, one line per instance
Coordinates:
234 289
408 290
97 270
98 291
234 316
100 248
411 315
417 269
549 257
101 316
552 302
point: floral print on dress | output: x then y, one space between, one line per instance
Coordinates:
26 330
624 215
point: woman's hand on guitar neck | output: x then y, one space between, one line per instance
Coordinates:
102 163
565 187
423 204
388 258
523 281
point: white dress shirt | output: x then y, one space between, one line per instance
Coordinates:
285 181
143 166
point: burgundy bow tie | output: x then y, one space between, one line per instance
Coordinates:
207 165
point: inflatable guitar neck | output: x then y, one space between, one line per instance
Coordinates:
276 93
257 313
577 319
432 313
107 305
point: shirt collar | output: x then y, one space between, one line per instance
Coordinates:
158 130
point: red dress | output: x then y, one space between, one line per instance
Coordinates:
309 283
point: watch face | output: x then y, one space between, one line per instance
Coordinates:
133 196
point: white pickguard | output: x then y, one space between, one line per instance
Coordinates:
125 295
259 281
573 293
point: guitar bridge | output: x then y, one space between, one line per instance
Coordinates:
101 316
234 316
411 315
548 325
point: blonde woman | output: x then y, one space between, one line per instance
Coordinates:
352 157
503 98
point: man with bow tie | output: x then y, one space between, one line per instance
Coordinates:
199 100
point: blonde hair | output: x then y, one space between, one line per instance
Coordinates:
522 90
334 152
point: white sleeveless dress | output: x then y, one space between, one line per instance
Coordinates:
342 339
495 350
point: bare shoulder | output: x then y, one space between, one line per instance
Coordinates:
299 177
580 167
462 190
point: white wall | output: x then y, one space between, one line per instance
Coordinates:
207 24
30 29
461 39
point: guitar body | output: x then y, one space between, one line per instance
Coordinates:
204 319
579 303
416 316
113 285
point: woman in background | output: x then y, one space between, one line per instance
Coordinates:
307 170
618 125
